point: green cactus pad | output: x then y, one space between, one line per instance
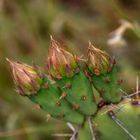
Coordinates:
128 115
79 93
48 99
108 86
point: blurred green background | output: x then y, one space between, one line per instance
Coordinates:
25 28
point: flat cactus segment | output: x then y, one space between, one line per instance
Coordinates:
123 126
79 93
108 86
48 99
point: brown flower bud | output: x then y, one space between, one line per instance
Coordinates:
60 62
26 78
98 60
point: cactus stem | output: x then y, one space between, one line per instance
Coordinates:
120 124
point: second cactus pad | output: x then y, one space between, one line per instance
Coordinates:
105 80
79 93
108 86
120 123
77 90
49 100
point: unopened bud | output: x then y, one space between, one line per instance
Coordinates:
60 62
98 60
26 78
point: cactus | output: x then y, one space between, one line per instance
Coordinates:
89 97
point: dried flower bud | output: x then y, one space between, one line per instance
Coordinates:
60 62
98 60
26 78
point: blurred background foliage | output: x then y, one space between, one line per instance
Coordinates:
25 28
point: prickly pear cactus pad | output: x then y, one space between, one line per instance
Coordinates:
89 97
71 79
104 74
121 122
49 99
41 91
